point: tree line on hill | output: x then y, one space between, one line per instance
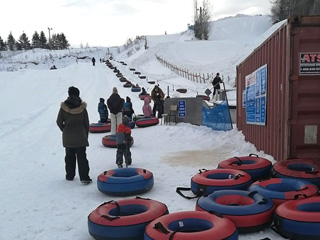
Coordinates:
282 9
56 42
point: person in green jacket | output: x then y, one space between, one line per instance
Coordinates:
73 121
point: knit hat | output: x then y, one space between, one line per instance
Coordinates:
128 99
125 121
114 90
73 91
101 99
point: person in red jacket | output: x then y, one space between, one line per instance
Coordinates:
123 138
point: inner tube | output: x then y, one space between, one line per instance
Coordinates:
110 141
304 169
142 97
136 89
125 181
99 127
249 211
257 167
132 69
281 190
191 225
151 82
127 85
147 122
123 79
142 77
124 219
209 181
181 90
299 220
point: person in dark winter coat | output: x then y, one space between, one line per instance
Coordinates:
216 85
123 138
93 61
127 108
103 111
157 95
73 121
115 105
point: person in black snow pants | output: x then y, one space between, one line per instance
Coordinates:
103 111
216 85
123 138
93 61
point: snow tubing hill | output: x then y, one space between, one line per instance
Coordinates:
99 127
249 211
124 219
125 181
299 220
258 168
209 181
191 225
304 169
281 190
110 141
147 122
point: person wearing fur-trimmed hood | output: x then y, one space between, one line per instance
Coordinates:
73 121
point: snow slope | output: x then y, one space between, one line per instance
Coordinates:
36 200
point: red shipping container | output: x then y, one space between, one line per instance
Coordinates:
285 121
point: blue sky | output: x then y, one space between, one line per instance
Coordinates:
111 22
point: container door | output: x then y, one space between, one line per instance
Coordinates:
305 93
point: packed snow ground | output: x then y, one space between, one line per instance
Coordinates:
36 200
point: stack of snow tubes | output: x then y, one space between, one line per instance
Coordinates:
125 181
124 219
191 225
258 168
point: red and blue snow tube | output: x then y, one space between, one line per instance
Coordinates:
99 127
147 122
124 219
209 181
258 168
191 225
249 211
281 190
299 220
125 181
110 141
304 169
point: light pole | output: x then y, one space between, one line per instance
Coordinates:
49 37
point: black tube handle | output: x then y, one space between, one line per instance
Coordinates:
111 218
239 162
252 154
180 189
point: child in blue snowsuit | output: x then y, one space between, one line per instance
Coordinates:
103 111
123 138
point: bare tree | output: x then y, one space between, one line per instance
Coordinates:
202 18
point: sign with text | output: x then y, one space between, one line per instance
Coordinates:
181 108
310 63
255 94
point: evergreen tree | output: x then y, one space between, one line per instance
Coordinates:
43 40
18 45
64 44
11 42
24 42
36 40
59 41
2 45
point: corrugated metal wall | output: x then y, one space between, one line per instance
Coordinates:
293 101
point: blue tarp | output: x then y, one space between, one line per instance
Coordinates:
218 117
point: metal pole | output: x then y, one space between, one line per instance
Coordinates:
49 37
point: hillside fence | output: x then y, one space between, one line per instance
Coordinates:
185 73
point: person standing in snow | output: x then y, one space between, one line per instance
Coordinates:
115 105
216 85
93 61
123 138
73 121
157 95
128 109
103 111
146 109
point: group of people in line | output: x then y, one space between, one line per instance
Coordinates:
73 121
